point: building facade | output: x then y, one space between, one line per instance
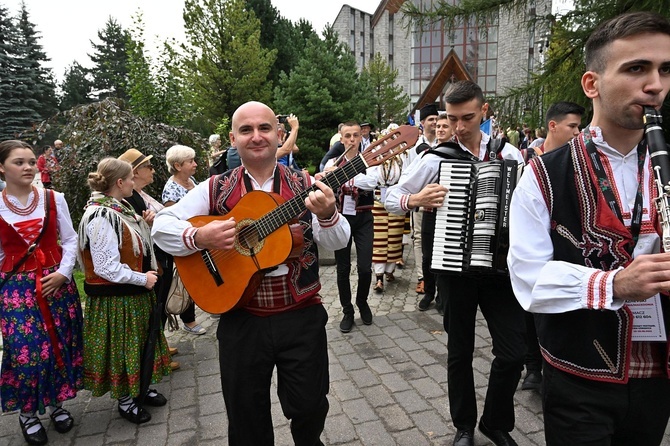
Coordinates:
498 57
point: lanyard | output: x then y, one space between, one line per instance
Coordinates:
606 186
275 183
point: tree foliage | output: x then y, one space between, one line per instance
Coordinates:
110 60
390 101
558 78
94 131
280 34
76 87
224 62
27 91
323 90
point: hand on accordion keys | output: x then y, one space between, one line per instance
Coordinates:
431 196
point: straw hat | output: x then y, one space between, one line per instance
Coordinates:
135 157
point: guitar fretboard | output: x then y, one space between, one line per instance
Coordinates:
281 215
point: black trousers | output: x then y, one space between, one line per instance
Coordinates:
505 319
533 355
427 235
250 347
578 411
362 233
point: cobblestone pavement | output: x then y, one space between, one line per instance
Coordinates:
388 385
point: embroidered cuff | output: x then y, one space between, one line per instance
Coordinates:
600 290
329 222
404 201
188 237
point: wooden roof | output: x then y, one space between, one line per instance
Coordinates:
392 6
450 71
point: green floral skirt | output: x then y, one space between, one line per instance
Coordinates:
115 330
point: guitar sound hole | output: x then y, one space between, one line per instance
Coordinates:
247 241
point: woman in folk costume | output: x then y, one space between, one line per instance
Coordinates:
40 312
117 256
389 228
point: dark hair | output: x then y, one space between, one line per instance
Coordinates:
442 116
464 91
559 110
351 124
620 27
6 148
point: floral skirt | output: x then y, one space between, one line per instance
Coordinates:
30 379
115 330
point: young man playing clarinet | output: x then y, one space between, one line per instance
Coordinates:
493 294
584 251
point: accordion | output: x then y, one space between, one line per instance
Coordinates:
472 225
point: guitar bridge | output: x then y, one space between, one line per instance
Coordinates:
211 267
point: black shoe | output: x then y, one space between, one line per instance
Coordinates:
65 424
532 381
424 303
499 438
157 400
347 323
464 437
366 313
36 438
139 417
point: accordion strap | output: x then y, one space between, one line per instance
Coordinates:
451 150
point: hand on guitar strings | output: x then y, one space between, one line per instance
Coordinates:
321 202
217 234
431 196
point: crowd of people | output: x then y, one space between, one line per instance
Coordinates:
584 252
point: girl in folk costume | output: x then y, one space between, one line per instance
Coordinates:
117 256
40 312
389 228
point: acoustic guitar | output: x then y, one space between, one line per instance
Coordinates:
219 281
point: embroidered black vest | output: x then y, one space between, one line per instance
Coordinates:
589 343
227 189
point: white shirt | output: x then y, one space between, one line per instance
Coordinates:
425 169
544 285
170 223
67 234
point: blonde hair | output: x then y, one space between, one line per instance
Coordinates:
177 155
109 170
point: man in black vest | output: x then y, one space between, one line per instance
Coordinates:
493 295
584 251
355 200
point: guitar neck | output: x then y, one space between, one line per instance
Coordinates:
286 212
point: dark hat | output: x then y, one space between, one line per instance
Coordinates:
427 110
364 124
134 157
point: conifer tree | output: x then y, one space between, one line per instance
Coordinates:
110 59
76 87
390 101
323 90
225 63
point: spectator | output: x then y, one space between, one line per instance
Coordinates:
287 146
47 165
147 207
117 256
181 164
40 312
355 201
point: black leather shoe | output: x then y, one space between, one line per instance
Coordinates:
366 313
464 437
36 438
532 381
64 424
157 400
424 303
347 323
499 438
139 417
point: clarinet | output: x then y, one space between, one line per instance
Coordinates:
660 161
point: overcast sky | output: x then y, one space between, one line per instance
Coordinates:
67 26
